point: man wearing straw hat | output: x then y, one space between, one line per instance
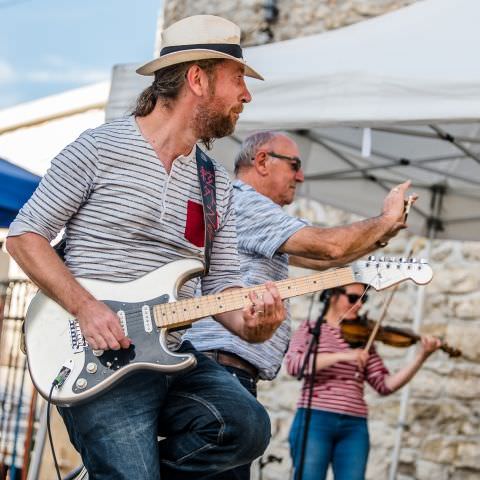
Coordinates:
129 197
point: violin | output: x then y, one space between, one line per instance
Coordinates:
357 333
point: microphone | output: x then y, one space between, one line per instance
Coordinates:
326 295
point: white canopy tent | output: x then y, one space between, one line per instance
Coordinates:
407 77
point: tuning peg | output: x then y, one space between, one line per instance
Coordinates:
413 260
381 259
402 259
392 259
372 258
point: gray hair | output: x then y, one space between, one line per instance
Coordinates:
250 147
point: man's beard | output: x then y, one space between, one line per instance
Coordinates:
209 123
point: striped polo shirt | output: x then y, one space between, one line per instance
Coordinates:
338 388
125 215
262 227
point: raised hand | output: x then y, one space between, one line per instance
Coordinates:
394 208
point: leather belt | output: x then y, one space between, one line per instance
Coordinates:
231 360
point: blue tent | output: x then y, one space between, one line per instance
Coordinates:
16 186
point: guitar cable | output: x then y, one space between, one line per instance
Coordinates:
50 439
57 382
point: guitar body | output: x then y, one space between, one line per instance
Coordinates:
147 308
53 339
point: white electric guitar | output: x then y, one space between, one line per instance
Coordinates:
148 308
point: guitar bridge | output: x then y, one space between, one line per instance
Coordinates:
77 341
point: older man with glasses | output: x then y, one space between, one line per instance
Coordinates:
268 170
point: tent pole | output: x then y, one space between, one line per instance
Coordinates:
402 416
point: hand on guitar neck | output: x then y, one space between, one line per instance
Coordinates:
258 320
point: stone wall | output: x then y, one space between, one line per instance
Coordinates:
296 18
442 441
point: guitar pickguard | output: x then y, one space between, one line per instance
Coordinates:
145 348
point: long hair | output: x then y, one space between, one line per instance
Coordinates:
168 83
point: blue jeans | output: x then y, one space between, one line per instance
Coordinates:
210 422
243 471
335 438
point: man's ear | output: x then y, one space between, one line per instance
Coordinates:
197 80
260 162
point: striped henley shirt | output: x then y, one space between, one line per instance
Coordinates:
125 215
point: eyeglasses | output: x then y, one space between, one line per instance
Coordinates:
353 297
296 163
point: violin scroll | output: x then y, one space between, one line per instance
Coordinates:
451 351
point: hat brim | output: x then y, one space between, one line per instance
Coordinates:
190 55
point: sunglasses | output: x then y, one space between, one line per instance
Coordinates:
295 162
353 297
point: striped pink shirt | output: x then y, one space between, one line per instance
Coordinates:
339 387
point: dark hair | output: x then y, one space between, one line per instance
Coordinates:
168 83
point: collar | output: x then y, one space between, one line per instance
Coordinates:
190 157
242 186
181 158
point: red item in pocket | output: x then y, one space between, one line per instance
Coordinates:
195 226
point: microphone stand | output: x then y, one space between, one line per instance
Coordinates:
310 378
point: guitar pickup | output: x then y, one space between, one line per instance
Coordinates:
77 341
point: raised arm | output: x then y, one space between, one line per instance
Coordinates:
339 245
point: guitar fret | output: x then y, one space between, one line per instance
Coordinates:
184 312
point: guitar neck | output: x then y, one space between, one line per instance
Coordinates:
184 312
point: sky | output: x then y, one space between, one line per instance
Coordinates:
50 46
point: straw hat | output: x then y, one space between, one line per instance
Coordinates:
197 38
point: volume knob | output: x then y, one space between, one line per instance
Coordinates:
91 367
81 383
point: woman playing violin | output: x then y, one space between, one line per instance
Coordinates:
338 432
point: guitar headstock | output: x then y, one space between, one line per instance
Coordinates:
383 272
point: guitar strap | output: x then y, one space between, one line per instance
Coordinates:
206 177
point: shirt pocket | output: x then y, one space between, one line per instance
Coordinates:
195 224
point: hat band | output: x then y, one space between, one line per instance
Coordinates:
231 49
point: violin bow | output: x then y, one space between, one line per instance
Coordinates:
374 332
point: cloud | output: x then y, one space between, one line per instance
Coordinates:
67 75
54 70
58 69
6 72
